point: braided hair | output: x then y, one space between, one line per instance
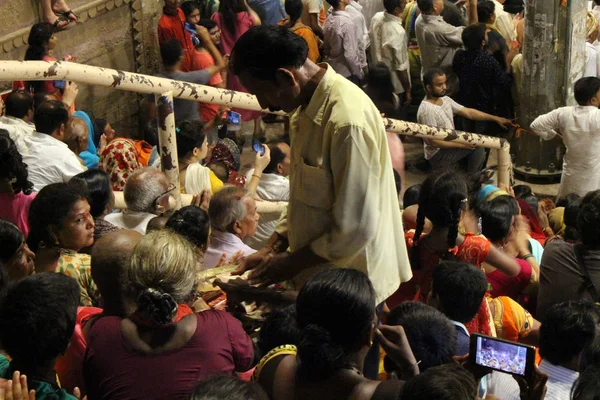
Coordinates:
12 166
442 200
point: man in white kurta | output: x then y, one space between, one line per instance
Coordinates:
343 209
579 128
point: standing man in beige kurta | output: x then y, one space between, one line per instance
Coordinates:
343 209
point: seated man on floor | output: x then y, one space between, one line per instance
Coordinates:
274 185
45 151
233 218
18 115
147 192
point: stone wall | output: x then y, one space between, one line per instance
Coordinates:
117 34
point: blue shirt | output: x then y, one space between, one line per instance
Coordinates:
269 11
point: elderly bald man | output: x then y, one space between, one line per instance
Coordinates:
146 193
76 135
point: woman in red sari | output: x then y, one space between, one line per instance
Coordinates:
444 201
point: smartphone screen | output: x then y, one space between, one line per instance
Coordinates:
258 147
502 355
60 84
233 118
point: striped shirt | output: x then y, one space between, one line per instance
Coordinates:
342 45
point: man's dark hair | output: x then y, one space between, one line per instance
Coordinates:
293 8
37 319
426 6
431 335
586 89
485 11
391 5
567 329
262 50
588 220
570 216
228 387
277 156
334 3
170 52
459 287
49 116
445 382
431 74
280 327
474 35
18 104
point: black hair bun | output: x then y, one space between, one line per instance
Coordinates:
158 307
318 355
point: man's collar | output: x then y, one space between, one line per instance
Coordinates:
316 106
432 18
391 17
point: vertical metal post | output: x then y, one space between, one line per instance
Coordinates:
166 141
504 166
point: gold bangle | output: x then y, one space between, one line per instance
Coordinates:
258 176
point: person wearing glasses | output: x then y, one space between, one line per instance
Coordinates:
146 193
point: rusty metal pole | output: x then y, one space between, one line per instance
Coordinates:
167 143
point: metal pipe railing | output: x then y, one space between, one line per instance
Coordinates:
140 83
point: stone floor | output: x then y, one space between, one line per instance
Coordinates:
413 150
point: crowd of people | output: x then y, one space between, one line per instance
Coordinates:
361 288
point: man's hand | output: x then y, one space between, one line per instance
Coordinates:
407 97
273 269
503 122
252 261
533 388
203 34
202 200
477 371
261 161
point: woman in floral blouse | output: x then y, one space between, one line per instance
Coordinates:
61 225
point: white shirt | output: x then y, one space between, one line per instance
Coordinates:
17 129
133 220
580 130
591 61
272 187
390 47
224 242
362 33
504 22
438 41
48 160
441 116
375 22
342 45
560 380
343 202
